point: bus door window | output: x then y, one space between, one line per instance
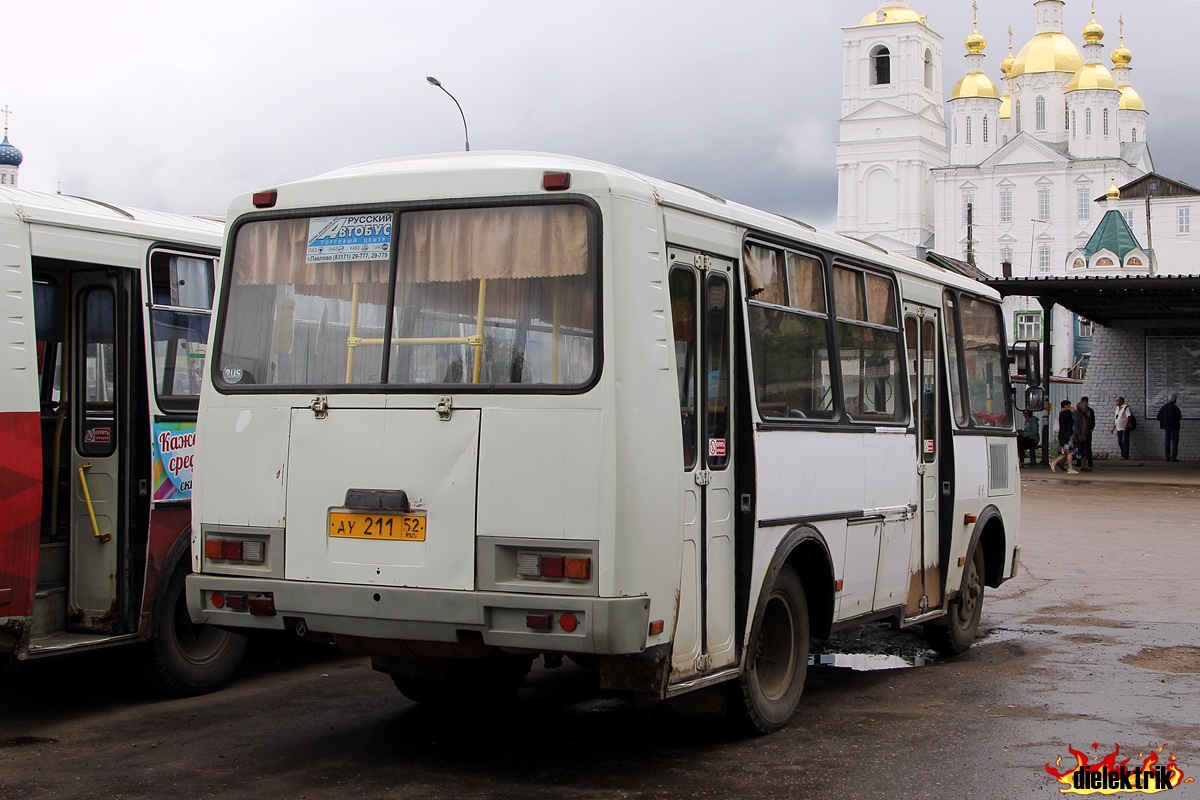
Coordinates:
683 319
96 435
716 371
929 391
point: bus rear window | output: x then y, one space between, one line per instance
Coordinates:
479 296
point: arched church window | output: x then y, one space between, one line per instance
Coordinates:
928 69
1135 134
1106 123
1017 114
968 130
1067 115
985 130
1087 122
1074 127
1039 110
881 66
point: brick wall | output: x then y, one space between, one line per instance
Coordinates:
1118 367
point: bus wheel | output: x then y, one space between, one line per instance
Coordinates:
183 659
956 633
773 680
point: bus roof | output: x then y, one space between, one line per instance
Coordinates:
83 213
488 173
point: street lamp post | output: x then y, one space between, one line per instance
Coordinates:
435 82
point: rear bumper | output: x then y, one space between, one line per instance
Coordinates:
607 626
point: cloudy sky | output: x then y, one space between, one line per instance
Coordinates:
182 106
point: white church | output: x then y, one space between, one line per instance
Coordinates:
1024 166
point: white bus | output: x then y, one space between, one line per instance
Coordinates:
105 316
467 409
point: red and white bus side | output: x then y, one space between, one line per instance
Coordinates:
104 318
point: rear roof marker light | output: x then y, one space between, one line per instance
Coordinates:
265 199
556 181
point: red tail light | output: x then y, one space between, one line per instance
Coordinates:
265 199
568 621
539 622
556 181
553 566
262 606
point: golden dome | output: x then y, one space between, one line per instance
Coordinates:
1113 192
975 43
1006 66
1093 32
1006 107
974 84
1131 100
892 16
1121 57
1092 76
1048 52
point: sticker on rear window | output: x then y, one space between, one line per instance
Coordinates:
351 237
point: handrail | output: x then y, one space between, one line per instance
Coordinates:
87 496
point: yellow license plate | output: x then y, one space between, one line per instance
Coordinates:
357 525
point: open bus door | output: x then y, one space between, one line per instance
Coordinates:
98 376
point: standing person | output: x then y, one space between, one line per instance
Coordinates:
1030 438
1169 417
1081 433
1120 426
1066 442
1086 461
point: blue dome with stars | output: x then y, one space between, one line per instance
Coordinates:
9 155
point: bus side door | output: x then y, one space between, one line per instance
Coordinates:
702 314
924 359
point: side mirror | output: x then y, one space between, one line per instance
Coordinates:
1035 399
1030 364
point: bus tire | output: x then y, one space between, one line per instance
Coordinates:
182 659
957 631
777 663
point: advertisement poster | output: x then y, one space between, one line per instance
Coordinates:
174 446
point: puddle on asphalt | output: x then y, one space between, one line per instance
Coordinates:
872 648
867 662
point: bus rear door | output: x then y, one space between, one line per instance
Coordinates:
702 319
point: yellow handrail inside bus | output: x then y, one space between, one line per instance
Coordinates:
479 332
353 340
87 496
554 338
353 333
64 397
